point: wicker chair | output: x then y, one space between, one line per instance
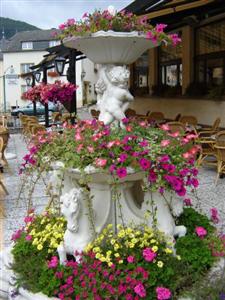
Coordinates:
4 134
176 126
95 113
207 131
220 148
188 120
2 148
130 113
37 128
156 115
56 116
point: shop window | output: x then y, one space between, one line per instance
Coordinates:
140 75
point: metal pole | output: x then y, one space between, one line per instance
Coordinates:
4 93
34 102
46 104
72 79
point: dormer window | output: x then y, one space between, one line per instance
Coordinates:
27 45
53 43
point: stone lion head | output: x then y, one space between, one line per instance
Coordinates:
71 207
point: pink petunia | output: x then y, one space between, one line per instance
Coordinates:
140 290
149 255
100 162
121 172
201 231
130 259
163 293
165 143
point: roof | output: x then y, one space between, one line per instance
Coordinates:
40 39
177 13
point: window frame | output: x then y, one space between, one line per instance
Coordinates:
27 45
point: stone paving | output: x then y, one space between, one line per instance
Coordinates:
208 194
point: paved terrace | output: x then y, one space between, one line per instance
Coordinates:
12 209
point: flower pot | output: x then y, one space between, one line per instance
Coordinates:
110 47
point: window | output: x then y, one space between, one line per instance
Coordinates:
27 45
54 43
141 71
170 59
210 38
25 68
210 54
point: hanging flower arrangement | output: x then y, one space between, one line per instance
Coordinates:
55 92
117 21
58 91
33 94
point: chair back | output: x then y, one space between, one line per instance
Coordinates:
220 138
156 115
95 113
130 113
177 118
216 124
189 120
37 128
176 126
56 116
220 146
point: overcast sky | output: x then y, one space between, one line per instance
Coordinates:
50 13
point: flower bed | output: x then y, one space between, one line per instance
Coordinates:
137 263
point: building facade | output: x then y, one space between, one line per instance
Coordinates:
198 60
188 79
26 49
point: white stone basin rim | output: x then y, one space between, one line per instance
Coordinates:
110 47
105 177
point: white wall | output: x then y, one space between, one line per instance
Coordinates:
1 83
13 91
90 78
206 111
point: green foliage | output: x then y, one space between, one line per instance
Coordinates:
11 27
192 219
195 253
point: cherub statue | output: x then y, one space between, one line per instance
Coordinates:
113 96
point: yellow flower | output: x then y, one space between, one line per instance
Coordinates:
120 261
134 240
98 255
152 241
121 234
112 241
39 247
116 247
116 255
96 249
160 264
178 257
168 251
131 245
155 248
110 264
35 242
108 253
